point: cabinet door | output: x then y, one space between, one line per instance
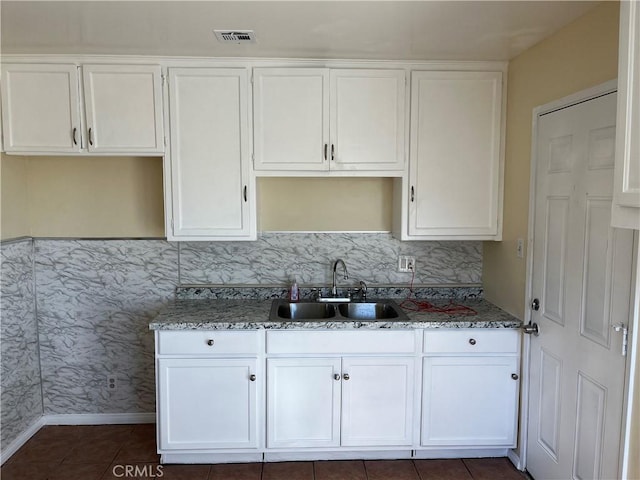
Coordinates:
212 192
367 119
626 203
303 402
207 403
377 401
40 108
124 108
454 168
291 118
469 401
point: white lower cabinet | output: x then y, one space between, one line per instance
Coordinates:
469 401
377 401
303 402
207 403
350 401
237 396
470 385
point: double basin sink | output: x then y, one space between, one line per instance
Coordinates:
311 311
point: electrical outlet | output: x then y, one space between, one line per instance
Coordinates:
520 248
406 264
112 383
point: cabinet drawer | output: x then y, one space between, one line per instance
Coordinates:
471 341
207 342
342 342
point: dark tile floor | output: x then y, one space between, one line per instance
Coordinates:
129 451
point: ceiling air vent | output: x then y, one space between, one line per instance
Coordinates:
235 36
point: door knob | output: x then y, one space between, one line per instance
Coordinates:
346 376
336 376
531 329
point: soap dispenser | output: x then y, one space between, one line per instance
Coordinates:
294 291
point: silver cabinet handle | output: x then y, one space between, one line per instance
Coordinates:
412 194
346 376
210 342
90 137
244 193
75 130
472 341
326 146
515 376
252 377
336 376
333 157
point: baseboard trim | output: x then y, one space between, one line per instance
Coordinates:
337 455
21 439
99 418
189 458
73 419
515 459
460 453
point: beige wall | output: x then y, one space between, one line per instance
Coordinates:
122 197
96 197
14 220
326 204
581 55
81 197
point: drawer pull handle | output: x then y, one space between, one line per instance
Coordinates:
336 376
210 342
515 376
472 341
346 376
252 377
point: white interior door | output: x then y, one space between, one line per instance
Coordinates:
582 278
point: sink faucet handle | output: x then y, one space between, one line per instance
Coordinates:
363 290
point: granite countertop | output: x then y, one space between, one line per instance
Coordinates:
247 314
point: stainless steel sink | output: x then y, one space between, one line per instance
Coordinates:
310 311
304 310
370 310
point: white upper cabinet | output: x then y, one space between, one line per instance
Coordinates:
123 108
209 189
626 204
367 119
318 119
291 118
454 188
40 108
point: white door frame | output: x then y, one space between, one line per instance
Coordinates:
520 459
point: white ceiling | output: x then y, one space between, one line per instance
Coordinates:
414 30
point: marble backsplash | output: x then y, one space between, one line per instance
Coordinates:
95 299
276 258
21 397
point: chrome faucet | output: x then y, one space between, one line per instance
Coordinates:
334 288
